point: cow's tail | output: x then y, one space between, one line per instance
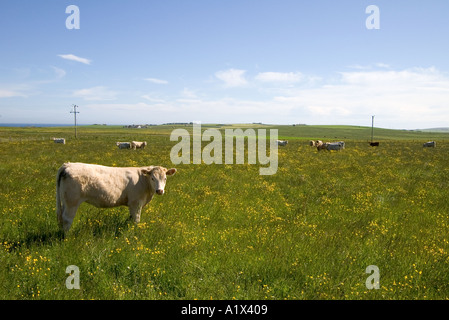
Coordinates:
61 174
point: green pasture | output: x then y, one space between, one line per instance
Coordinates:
222 231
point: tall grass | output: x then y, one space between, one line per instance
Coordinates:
224 231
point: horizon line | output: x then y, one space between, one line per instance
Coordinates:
43 125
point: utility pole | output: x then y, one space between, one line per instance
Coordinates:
75 112
372 128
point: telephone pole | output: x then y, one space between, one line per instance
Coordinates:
75 112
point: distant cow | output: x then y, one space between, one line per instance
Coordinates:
282 142
430 144
123 145
320 145
59 140
106 187
335 146
374 144
312 143
138 145
342 143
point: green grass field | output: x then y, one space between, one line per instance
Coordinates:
224 231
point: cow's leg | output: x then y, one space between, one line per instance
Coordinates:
59 215
68 215
134 212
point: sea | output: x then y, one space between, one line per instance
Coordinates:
36 125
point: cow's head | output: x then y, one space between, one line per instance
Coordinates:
157 177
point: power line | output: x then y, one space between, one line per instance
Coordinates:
75 112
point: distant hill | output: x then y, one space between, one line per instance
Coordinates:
443 129
336 133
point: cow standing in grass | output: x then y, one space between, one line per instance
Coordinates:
123 145
281 143
337 146
320 145
59 140
106 187
138 145
430 144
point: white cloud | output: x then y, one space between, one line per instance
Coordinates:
152 98
359 67
129 113
232 77
60 73
400 99
156 81
125 107
95 94
283 77
22 90
410 99
379 65
74 58
9 93
383 65
31 83
189 94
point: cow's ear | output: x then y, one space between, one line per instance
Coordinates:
170 172
146 171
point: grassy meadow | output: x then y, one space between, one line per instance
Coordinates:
223 231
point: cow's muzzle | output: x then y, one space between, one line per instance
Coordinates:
160 191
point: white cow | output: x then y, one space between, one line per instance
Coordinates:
430 144
320 145
59 140
281 142
335 146
123 145
138 145
106 187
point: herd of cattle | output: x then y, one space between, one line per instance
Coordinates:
320 145
121 145
131 145
134 187
340 145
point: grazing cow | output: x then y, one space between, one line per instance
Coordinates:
321 146
312 143
138 145
335 146
123 145
282 142
59 140
430 144
330 145
374 144
106 187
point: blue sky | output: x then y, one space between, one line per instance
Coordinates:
283 62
